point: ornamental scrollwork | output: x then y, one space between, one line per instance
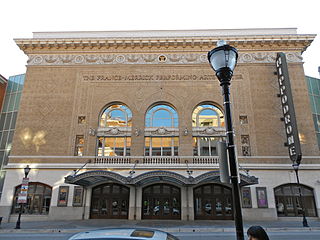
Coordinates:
145 58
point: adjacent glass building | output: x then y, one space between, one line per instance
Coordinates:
8 119
314 94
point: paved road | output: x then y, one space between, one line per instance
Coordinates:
292 235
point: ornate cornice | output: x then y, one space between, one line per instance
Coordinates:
297 42
149 58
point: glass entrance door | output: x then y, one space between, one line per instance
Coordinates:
161 201
110 201
213 201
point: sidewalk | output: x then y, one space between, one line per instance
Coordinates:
165 225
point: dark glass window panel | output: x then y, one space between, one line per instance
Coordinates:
207 189
166 189
106 189
175 190
116 189
156 189
97 191
14 120
148 190
309 85
2 119
8 121
287 190
217 189
317 104
17 102
124 190
313 105
315 121
318 138
10 138
39 189
47 191
31 188
1 157
197 191
314 86
11 102
4 139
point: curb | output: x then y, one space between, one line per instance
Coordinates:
170 230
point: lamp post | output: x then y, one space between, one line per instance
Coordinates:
304 219
223 60
22 198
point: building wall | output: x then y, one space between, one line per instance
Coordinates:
65 80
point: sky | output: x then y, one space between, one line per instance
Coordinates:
20 18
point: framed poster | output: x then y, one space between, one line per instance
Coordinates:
77 196
262 200
246 197
63 196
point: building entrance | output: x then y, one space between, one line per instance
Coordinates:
161 201
213 201
110 201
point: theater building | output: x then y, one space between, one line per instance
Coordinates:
125 125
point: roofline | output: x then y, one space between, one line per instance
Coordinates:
165 33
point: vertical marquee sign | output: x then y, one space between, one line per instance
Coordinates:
293 142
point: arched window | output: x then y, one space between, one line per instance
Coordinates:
207 122
288 201
38 199
161 133
116 141
162 116
207 115
117 115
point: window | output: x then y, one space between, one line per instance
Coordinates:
288 201
79 145
164 141
161 146
38 199
114 146
207 115
116 115
205 146
162 116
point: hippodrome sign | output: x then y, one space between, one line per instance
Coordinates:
293 141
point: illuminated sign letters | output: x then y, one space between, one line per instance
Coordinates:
291 129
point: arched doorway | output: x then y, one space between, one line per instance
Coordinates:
213 201
110 200
288 201
161 201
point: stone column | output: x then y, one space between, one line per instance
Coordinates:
132 203
138 203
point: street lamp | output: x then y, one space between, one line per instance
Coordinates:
304 219
25 184
223 60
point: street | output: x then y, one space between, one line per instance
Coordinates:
292 235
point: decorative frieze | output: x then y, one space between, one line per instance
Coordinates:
139 58
208 131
